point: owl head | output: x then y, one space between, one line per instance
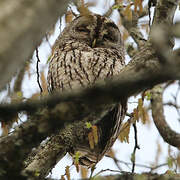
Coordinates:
94 30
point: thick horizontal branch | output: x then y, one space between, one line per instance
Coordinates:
23 23
169 136
143 72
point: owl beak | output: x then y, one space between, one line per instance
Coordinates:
94 43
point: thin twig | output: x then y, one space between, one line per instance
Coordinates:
158 166
104 170
92 170
136 146
37 70
139 165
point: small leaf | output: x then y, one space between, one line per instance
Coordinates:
117 6
77 156
170 162
76 160
37 174
49 58
88 125
91 140
148 95
19 94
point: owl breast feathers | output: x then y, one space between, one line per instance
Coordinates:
89 49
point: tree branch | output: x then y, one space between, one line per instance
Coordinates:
132 27
23 24
47 155
169 136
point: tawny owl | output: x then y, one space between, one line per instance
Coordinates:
89 49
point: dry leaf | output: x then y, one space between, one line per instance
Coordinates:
124 134
145 116
84 173
138 4
95 134
67 172
135 115
68 16
140 108
128 12
91 140
140 104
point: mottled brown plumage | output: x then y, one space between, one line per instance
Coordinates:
89 49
